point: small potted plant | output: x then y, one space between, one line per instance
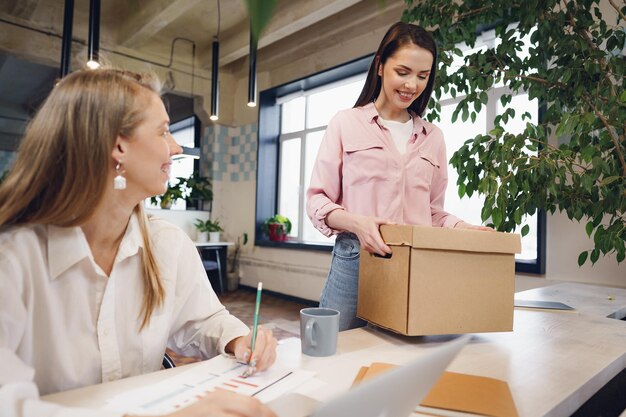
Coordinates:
200 192
277 227
210 227
173 193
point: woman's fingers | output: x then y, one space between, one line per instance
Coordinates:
264 354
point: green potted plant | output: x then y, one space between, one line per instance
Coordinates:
200 192
173 193
277 227
210 227
572 159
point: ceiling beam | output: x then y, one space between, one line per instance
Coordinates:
287 20
150 19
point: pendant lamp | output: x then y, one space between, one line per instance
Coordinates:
93 43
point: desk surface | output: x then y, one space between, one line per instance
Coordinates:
553 361
594 300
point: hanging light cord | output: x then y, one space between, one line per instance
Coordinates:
193 58
219 19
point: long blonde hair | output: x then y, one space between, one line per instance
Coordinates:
62 164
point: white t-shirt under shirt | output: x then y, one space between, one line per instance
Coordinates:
400 132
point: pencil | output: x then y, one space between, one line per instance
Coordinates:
252 362
255 325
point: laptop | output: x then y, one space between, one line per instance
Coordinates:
395 393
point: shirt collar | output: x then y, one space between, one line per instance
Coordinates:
68 245
419 125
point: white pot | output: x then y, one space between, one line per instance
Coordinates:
214 236
202 237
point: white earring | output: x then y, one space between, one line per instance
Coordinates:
119 182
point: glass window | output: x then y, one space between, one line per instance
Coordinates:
183 165
290 184
316 108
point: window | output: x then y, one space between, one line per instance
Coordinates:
292 120
532 258
186 133
304 120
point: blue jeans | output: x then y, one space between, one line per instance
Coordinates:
342 286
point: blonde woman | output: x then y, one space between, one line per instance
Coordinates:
91 290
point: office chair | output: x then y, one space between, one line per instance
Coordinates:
168 362
214 266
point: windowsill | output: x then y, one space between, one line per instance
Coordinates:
521 265
292 244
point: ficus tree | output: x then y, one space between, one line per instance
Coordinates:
576 69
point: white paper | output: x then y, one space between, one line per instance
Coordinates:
183 389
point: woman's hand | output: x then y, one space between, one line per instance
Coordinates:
468 226
366 228
264 353
222 403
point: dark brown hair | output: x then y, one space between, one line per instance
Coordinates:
399 35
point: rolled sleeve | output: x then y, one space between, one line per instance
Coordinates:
325 190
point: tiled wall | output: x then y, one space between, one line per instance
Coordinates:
232 152
6 159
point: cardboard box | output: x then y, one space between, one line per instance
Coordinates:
440 281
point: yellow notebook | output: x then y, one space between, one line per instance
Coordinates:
455 394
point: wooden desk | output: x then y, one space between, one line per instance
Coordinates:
220 249
553 361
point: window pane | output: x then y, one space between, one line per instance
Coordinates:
292 116
521 104
312 146
322 106
185 136
516 125
455 134
289 182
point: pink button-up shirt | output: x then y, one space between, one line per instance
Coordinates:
359 169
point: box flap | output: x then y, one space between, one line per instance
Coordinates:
427 237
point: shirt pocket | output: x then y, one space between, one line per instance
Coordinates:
365 163
422 168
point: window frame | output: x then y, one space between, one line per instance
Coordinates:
268 161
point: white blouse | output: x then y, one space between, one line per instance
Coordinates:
64 324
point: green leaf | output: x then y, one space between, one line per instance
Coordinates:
609 180
582 258
525 230
461 190
589 228
595 254
260 12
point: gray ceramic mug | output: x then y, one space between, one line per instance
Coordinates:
318 331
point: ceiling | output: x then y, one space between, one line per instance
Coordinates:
32 30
